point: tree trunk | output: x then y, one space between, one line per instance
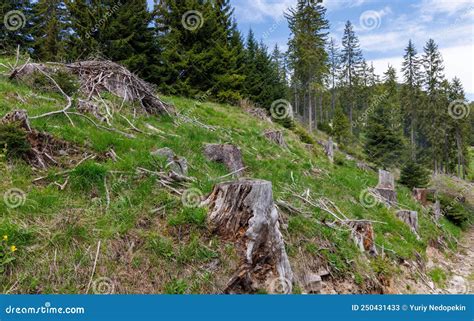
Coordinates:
421 195
228 154
410 218
275 136
363 236
386 187
244 213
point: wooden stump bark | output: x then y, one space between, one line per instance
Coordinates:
363 236
228 154
410 218
244 212
421 195
275 136
437 213
386 187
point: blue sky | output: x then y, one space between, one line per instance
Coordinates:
383 27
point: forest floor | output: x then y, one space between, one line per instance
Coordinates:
462 267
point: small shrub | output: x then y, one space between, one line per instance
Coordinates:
14 140
455 211
340 159
414 175
439 277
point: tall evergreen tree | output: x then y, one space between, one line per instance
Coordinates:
18 28
351 62
334 70
50 29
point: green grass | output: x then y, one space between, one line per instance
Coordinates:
438 276
150 242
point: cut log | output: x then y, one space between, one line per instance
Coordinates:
243 212
329 149
410 218
363 236
421 195
178 165
229 155
275 136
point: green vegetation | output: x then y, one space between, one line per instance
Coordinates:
414 175
438 276
145 230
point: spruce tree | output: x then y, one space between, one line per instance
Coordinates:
18 31
50 29
414 175
351 61
334 69
341 128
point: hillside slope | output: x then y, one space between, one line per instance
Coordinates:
98 227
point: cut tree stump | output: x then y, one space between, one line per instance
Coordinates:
386 187
329 149
243 212
230 155
363 236
410 218
275 136
437 213
312 283
421 195
178 165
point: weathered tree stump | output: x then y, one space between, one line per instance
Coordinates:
386 187
19 117
228 154
275 136
421 195
244 212
363 236
329 149
178 165
437 213
259 113
410 218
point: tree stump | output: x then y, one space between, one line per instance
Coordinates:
329 149
244 212
386 187
19 117
312 283
275 136
437 213
178 165
363 236
421 195
228 154
410 218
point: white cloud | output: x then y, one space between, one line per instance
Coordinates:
333 5
449 7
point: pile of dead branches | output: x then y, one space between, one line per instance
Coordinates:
97 76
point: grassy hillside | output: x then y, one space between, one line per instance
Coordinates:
149 241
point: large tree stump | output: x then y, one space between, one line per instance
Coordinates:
421 195
410 218
244 212
363 236
386 187
228 154
275 136
329 149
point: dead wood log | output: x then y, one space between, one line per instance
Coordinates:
229 155
275 136
244 212
410 218
363 236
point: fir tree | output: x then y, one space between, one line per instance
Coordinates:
414 175
341 128
17 32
